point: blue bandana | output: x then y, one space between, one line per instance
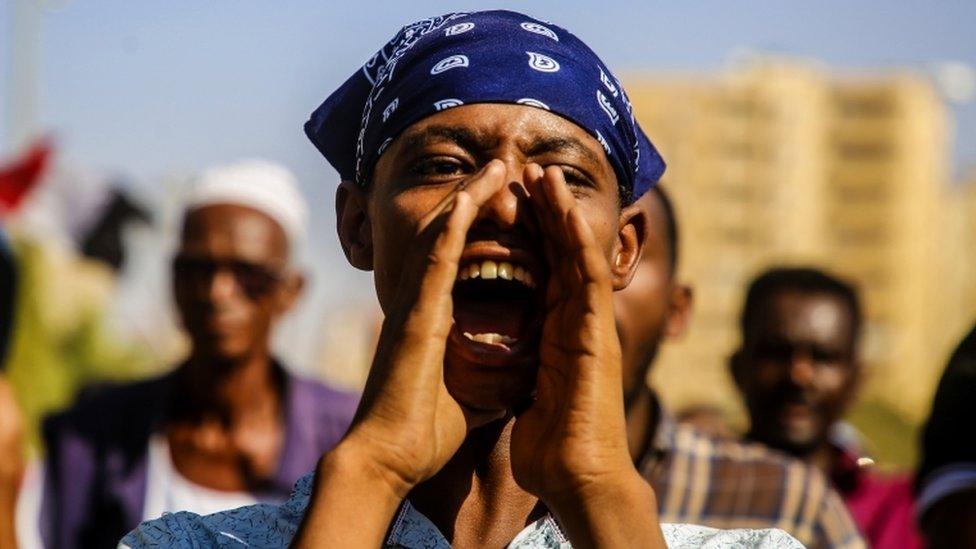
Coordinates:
481 57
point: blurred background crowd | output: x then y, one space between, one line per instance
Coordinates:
834 136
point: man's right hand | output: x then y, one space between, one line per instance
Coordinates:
408 425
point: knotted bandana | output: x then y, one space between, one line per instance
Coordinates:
482 57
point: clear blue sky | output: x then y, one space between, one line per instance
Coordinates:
152 87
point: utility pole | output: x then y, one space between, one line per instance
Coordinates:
23 86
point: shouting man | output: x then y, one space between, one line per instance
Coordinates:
490 162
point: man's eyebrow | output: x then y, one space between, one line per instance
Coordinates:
561 144
463 137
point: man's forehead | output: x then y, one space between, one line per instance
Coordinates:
792 312
233 230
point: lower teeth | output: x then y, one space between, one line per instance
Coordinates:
491 338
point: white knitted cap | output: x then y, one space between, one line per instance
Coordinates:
259 184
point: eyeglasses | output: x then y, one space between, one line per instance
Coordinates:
256 280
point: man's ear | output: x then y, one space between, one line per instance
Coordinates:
854 385
679 310
736 368
631 236
352 224
289 291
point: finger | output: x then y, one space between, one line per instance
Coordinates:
532 179
561 201
593 264
560 198
410 354
428 306
481 186
434 297
448 229
545 224
549 216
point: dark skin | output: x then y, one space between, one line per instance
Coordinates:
653 307
11 462
231 285
798 372
437 422
226 431
952 521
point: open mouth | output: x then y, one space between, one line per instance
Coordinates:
497 306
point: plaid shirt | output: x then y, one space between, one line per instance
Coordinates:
699 479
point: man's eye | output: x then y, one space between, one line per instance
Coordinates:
575 177
822 355
438 167
774 351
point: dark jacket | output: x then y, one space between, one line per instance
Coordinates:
96 463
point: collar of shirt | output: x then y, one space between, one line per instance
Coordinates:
275 525
852 463
412 530
663 441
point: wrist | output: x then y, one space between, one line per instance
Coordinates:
613 490
611 512
348 460
352 503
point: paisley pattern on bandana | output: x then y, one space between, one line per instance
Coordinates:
483 57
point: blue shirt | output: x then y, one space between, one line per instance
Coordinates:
267 525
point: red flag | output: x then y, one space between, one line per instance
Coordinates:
20 176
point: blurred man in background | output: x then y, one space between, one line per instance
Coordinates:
698 477
228 427
946 479
708 419
798 371
11 422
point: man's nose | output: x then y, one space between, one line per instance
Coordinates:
502 208
221 285
802 370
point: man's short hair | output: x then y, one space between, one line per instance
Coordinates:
803 280
670 226
948 463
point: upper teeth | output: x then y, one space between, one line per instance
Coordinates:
489 270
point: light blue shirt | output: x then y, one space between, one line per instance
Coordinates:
267 525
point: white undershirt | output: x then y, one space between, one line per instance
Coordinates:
27 521
167 491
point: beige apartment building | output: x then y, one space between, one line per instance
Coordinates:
963 270
785 162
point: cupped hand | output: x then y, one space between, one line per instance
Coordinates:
572 437
408 425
